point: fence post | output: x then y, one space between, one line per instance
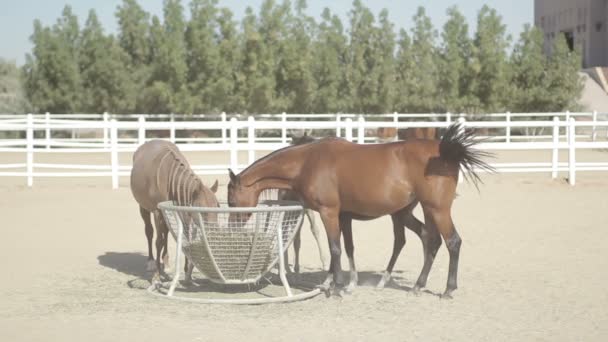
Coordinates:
234 145
223 117
251 138
141 134
349 129
29 134
361 130
508 133
106 138
114 152
396 123
172 128
567 124
284 128
448 117
555 153
47 130
593 129
571 152
338 128
461 121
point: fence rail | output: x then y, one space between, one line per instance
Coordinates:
269 132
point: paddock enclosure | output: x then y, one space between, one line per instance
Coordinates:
532 267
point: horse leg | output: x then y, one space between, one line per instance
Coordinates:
404 217
442 220
431 241
188 268
159 245
347 231
297 243
165 245
145 215
332 228
315 232
398 243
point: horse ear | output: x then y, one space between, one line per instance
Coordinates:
233 177
214 187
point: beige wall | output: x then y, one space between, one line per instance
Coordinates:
581 17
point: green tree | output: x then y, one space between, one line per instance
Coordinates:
256 80
52 79
224 93
454 67
328 65
362 60
133 24
12 97
404 80
529 73
295 86
134 39
384 71
424 72
106 84
202 53
492 79
169 67
564 83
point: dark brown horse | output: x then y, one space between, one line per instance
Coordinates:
344 181
161 173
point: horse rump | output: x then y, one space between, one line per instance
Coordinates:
457 146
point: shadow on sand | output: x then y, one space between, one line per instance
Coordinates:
134 264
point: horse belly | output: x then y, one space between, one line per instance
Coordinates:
384 197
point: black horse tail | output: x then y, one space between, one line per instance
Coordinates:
456 147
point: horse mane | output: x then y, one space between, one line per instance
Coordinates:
182 182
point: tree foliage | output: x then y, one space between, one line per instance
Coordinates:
198 59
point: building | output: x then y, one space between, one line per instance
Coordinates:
583 22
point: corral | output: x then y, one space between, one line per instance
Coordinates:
532 268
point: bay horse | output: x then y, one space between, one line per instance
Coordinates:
405 218
344 181
161 173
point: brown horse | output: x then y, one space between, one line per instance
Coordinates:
161 173
344 181
403 219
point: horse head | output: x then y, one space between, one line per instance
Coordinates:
240 195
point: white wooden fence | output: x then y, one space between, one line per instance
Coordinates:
239 134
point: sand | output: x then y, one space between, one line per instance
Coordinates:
533 266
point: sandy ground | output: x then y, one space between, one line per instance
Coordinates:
533 266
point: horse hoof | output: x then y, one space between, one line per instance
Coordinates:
386 278
350 288
339 293
325 288
446 295
416 291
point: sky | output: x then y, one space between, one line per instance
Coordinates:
17 17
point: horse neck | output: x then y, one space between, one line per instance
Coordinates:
275 171
180 182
